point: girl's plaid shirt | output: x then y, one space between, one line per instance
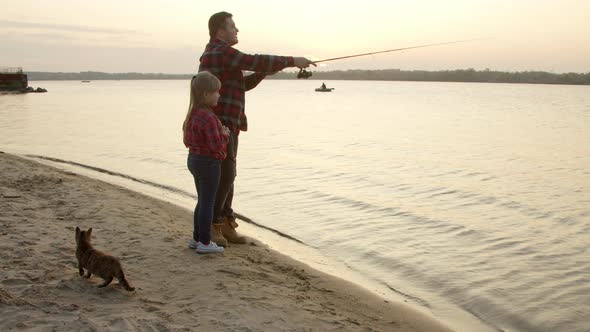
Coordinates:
204 135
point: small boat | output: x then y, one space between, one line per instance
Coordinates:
324 89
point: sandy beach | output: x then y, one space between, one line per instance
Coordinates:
248 288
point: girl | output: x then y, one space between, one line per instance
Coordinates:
207 140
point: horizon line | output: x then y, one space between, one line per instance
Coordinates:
318 71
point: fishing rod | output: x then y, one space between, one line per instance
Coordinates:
307 74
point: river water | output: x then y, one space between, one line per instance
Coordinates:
471 201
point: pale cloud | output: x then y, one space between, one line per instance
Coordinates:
33 55
46 34
64 27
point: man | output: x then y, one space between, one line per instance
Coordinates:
227 63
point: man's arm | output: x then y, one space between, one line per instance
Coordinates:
261 63
251 81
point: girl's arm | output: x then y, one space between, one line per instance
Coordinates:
216 140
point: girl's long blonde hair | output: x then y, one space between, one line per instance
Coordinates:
202 83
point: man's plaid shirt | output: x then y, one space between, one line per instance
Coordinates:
227 64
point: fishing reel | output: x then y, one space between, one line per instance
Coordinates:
303 73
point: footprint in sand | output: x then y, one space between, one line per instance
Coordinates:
15 281
150 308
220 286
121 324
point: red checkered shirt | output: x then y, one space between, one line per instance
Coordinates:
204 135
227 64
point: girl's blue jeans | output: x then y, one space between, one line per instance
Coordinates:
206 172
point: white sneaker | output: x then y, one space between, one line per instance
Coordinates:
192 244
211 248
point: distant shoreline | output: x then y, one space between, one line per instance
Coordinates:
459 75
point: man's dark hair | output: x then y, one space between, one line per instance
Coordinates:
217 21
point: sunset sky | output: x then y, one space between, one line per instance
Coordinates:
168 36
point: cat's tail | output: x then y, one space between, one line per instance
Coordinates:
123 281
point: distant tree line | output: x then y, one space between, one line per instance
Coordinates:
96 76
460 75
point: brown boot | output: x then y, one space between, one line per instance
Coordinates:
217 235
229 231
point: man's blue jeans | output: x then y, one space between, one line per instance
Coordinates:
206 171
225 193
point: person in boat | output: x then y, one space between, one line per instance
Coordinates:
323 87
227 63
